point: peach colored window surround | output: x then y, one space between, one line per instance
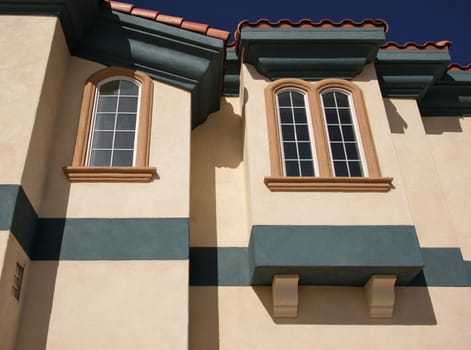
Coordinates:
130 139
352 157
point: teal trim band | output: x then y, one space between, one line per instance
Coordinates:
334 255
219 267
112 239
18 215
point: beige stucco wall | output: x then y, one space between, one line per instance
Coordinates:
10 308
106 305
167 196
32 64
320 208
329 318
217 206
449 139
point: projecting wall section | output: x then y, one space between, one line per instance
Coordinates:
320 208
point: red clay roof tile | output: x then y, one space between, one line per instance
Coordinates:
173 21
217 33
455 67
118 6
195 27
150 14
430 45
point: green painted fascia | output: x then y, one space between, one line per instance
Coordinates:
334 255
231 73
310 53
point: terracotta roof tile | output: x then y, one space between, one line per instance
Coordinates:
150 14
455 67
430 45
307 23
170 20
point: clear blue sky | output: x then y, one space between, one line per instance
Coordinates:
409 20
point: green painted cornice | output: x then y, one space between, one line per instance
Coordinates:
181 58
409 73
231 73
310 53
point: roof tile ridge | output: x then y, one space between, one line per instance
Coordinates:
456 67
411 45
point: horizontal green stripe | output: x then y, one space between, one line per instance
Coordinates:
111 239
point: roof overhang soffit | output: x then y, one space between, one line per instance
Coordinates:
310 53
183 59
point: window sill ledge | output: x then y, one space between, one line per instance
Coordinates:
328 184
110 174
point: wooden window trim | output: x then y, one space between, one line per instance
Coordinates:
326 181
140 172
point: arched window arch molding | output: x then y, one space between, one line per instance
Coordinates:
79 171
325 179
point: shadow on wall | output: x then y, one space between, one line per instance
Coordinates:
396 123
440 125
347 306
204 331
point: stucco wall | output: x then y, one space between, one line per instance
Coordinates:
31 75
106 305
320 208
167 196
218 203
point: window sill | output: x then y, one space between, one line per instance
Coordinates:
328 184
110 174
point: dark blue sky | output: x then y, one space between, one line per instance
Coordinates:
412 20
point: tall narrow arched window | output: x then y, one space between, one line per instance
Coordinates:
344 137
113 135
295 132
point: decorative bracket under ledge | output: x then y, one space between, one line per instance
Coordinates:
110 174
285 295
339 183
380 296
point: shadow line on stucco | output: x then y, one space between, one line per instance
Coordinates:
438 126
347 306
397 124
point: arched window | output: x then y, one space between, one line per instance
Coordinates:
320 138
113 136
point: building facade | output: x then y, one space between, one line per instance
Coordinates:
306 186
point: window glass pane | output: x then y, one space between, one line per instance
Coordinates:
355 168
337 150
302 132
345 117
342 99
331 116
122 158
287 132
307 168
104 122
334 133
126 122
290 150
100 158
352 151
110 88
124 140
286 115
127 104
107 104
102 139
128 88
298 99
292 168
284 99
340 168
348 133
305 150
300 115
328 99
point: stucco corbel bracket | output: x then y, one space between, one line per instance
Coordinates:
380 296
285 295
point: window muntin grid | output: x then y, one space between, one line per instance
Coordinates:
295 134
113 138
344 137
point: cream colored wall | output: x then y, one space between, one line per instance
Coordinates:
167 196
10 308
321 208
427 198
32 64
217 206
106 305
329 318
449 139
